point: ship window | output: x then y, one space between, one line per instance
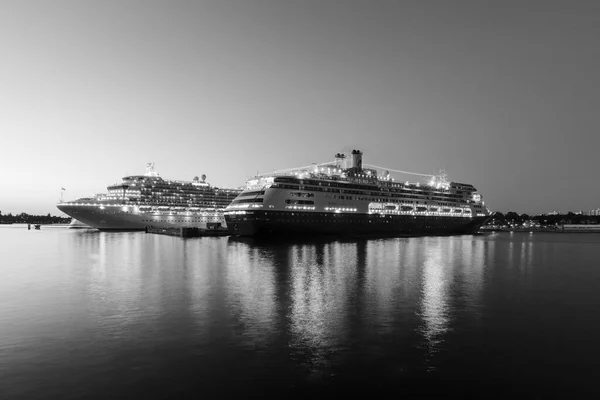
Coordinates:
247 201
299 202
285 180
300 194
255 193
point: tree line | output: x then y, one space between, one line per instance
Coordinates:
514 218
24 218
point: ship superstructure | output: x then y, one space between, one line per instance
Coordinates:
139 201
343 197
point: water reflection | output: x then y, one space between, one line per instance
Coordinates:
474 265
386 284
323 280
434 300
316 307
251 294
325 295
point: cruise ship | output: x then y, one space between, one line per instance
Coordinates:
342 197
140 201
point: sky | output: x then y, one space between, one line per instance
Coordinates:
503 95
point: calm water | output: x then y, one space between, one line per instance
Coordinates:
85 314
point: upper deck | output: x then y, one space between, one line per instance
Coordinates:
352 179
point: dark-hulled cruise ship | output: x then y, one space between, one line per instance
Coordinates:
342 197
146 200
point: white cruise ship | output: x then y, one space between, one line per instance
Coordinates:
342 197
140 201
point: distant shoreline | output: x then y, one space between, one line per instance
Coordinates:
34 223
24 218
551 229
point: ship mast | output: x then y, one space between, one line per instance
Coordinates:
150 169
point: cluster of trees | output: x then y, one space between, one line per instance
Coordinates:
25 218
512 218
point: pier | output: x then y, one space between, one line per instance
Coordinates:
186 232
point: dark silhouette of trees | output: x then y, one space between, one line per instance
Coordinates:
513 218
25 218
543 220
497 219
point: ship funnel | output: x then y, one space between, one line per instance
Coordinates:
340 160
356 159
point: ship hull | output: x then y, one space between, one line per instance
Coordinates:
117 219
261 223
76 224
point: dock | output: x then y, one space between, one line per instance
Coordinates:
185 232
579 228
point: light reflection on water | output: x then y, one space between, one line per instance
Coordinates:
434 296
99 307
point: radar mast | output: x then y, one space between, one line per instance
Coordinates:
150 169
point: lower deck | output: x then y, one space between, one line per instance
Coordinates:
264 223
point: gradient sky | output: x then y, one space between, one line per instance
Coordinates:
501 94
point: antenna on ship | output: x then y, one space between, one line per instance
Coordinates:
150 169
440 180
443 176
